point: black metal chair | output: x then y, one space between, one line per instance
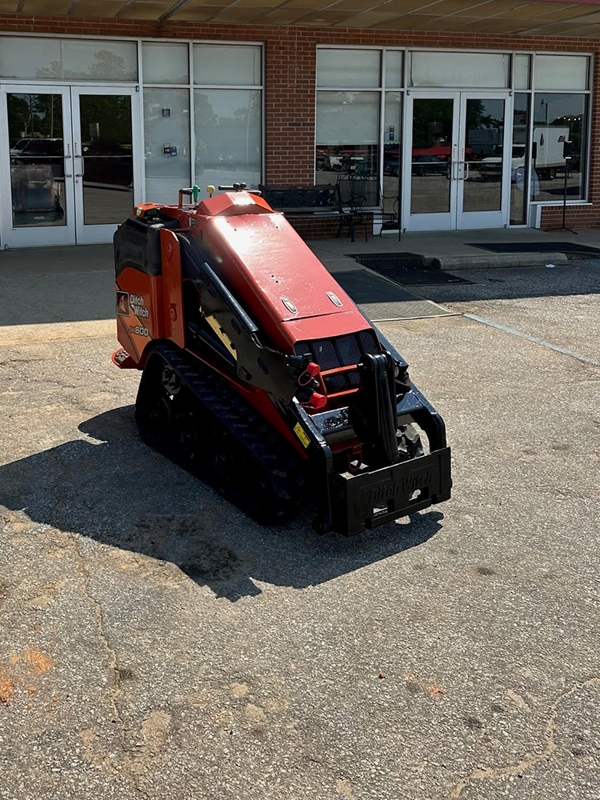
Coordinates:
376 198
352 195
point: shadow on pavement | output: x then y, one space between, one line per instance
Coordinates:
57 284
112 488
576 278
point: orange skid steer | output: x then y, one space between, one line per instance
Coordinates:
259 373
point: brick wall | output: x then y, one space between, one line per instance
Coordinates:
290 56
326 227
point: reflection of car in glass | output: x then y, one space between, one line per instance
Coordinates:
31 150
432 160
39 151
547 155
490 168
108 163
428 165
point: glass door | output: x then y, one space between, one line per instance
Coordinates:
483 184
36 166
456 176
431 155
105 141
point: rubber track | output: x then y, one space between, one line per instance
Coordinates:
285 469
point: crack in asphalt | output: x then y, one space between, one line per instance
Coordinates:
113 660
115 687
529 760
83 568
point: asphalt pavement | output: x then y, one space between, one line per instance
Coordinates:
156 643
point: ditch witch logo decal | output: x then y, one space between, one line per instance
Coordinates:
135 302
418 480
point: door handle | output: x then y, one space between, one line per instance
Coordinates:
462 170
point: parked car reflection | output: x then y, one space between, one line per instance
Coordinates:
107 163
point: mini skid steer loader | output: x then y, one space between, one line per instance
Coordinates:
259 373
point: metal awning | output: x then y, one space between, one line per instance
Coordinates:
539 17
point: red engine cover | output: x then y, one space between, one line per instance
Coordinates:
274 274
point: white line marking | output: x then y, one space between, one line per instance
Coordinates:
534 339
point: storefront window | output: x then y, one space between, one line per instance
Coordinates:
462 70
227 121
348 69
27 58
165 62
558 118
228 136
394 63
227 65
561 72
522 72
347 135
166 142
392 121
348 122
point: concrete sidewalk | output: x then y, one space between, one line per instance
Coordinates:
454 250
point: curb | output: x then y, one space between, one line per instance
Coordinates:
499 260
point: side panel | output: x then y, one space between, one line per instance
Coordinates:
139 313
174 324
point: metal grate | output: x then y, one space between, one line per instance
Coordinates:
381 298
407 269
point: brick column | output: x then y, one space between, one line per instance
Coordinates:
290 69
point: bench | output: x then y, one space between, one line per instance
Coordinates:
308 202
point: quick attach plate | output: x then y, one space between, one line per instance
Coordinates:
374 498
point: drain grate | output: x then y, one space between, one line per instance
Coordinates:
383 299
406 268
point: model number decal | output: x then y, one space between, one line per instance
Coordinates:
140 330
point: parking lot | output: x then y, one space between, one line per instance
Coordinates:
156 643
